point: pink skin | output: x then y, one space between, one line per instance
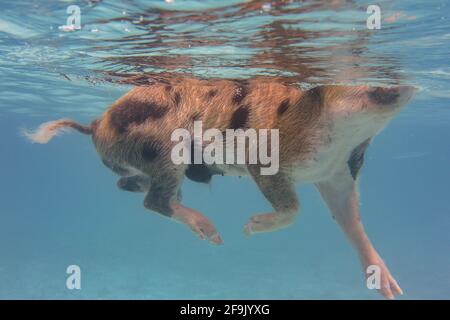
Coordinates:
197 222
267 222
340 194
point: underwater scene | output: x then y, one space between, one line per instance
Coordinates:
103 212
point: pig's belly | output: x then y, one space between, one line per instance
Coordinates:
320 167
230 170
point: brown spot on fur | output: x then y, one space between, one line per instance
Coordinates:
150 151
240 93
135 112
239 118
211 93
177 98
282 108
168 88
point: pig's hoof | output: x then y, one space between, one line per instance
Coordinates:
267 222
203 228
389 287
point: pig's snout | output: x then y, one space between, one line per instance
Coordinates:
405 93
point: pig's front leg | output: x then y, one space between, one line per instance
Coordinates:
340 194
279 190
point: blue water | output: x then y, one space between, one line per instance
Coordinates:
59 205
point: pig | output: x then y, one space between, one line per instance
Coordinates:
324 132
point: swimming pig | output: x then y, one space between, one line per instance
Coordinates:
323 134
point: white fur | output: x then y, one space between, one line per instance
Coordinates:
346 133
45 132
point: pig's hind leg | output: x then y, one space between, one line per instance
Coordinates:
139 183
136 183
163 197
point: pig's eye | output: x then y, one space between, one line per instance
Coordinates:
383 95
